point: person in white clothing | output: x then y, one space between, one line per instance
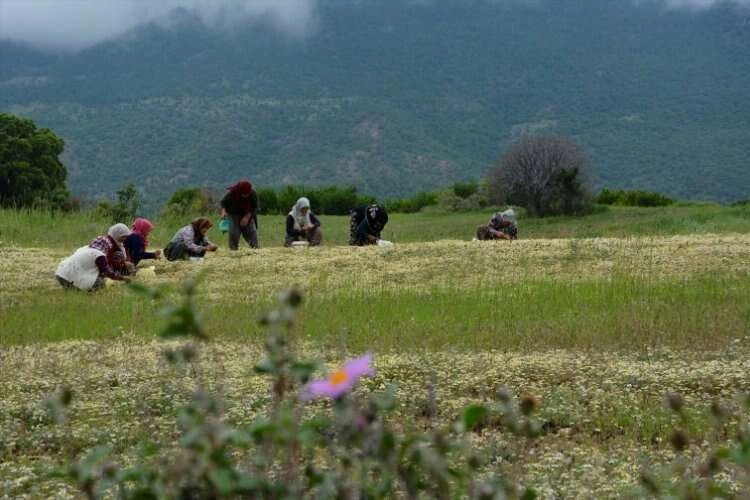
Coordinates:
89 265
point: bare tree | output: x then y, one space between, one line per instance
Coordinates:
546 174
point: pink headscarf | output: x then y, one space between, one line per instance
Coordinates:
142 227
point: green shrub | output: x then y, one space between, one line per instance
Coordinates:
632 198
124 209
268 201
413 204
465 189
328 200
188 201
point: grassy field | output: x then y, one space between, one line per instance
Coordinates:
599 317
39 229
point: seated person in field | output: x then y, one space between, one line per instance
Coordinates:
191 241
502 226
102 258
366 224
302 225
137 242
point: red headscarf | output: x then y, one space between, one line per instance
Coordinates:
241 195
142 227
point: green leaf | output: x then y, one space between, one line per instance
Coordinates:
261 428
192 438
265 366
471 416
223 480
303 370
529 494
239 438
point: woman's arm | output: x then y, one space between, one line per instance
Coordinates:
137 249
315 221
290 229
106 271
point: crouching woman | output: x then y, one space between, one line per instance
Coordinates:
502 226
191 241
302 225
89 265
366 224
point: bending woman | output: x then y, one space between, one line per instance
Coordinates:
190 241
137 242
89 265
366 224
241 205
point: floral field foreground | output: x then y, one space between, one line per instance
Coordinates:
603 415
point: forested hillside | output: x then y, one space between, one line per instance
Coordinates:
396 97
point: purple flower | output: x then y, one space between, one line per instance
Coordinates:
341 381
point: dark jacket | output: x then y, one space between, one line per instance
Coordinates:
294 233
136 248
360 228
228 203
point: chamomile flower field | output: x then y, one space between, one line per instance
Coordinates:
598 320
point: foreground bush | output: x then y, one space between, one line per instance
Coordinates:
320 438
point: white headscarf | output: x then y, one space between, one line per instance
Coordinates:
296 212
118 231
509 215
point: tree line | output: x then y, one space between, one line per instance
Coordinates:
545 174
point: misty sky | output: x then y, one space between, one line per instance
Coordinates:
76 24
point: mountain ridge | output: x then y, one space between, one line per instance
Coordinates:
398 99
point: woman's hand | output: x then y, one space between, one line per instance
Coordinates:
212 248
245 220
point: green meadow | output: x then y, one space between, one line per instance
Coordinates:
598 316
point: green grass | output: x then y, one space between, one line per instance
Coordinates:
617 314
39 229
599 330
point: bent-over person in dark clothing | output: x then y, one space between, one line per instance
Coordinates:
302 225
190 241
366 224
137 242
240 204
502 226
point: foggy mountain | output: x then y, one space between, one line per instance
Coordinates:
396 96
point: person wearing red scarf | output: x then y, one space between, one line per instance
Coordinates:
137 243
240 204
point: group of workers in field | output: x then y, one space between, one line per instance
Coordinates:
117 254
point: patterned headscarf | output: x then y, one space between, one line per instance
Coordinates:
377 216
198 225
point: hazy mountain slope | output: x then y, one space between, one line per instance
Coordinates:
397 98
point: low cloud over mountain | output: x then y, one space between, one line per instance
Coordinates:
75 24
